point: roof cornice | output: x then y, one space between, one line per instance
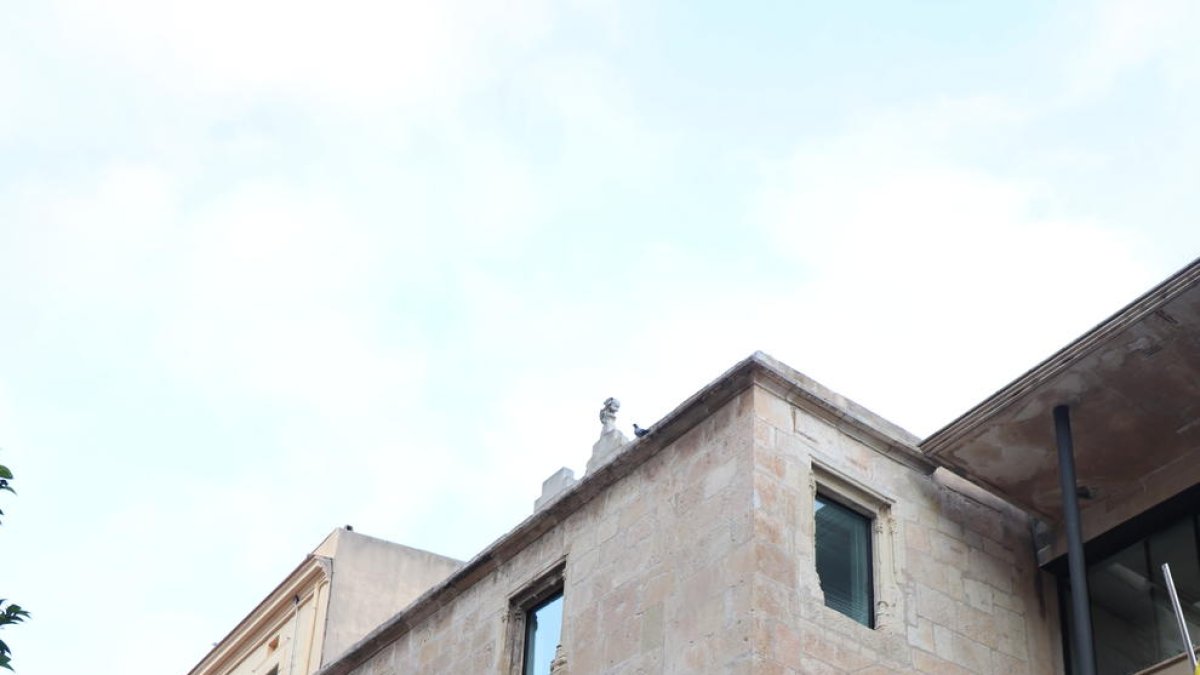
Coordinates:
851 418
1150 302
237 644
757 369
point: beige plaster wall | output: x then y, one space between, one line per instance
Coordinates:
290 640
350 584
657 573
372 580
956 586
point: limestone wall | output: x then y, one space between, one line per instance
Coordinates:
656 579
700 559
956 586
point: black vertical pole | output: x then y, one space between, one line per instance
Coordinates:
1081 617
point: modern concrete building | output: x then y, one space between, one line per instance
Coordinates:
344 588
769 525
1126 396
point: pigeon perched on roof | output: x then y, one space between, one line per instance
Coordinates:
638 431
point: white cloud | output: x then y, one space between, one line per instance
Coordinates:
278 297
891 228
83 242
368 51
1124 35
497 202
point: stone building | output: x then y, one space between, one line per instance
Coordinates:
695 549
344 588
769 525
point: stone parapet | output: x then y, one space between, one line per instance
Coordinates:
554 486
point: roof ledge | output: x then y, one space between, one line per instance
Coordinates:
1100 335
757 369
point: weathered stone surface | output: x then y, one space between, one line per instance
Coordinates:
555 485
606 448
611 439
697 556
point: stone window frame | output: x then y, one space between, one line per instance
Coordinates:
543 586
855 495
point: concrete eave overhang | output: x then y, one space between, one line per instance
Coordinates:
1133 384
758 369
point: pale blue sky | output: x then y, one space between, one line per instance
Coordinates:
271 267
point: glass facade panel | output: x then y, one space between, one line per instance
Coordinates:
543 631
1132 620
1122 611
843 552
1175 545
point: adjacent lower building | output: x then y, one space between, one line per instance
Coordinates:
347 586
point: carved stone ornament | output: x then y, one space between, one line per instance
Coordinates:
559 665
611 439
608 415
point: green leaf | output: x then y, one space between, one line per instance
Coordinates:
5 473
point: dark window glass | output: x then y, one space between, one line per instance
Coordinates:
1175 545
1132 621
1123 611
543 630
843 544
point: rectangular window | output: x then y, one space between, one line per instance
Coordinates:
536 623
543 632
1132 621
843 553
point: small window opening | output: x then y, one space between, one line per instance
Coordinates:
843 554
543 632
